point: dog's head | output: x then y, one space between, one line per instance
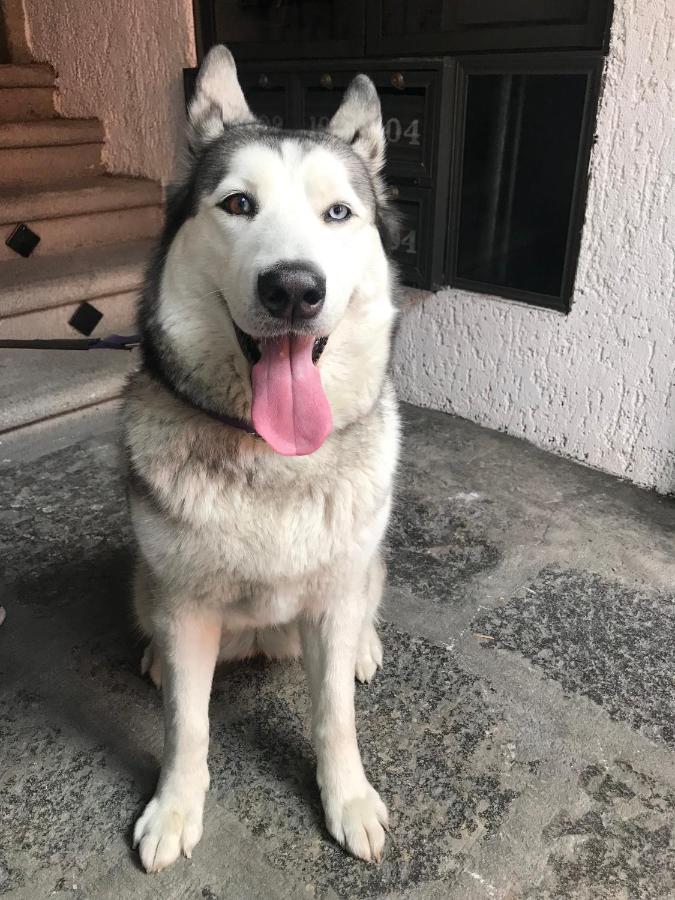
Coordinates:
284 229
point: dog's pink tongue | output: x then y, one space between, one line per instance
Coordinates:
290 409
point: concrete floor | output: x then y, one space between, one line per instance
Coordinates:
522 731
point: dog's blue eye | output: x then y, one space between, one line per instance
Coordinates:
338 212
238 205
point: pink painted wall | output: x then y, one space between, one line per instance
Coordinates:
120 61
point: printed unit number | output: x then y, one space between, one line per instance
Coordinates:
393 129
407 240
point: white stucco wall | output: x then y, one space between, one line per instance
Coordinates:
120 61
596 385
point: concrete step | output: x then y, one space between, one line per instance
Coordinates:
100 210
38 386
84 195
51 133
28 166
119 317
21 104
29 75
38 296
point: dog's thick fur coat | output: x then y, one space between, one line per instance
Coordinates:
242 550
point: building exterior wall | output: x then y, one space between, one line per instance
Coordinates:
120 61
595 385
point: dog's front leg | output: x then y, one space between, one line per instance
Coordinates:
172 821
355 815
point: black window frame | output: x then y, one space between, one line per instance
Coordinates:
561 62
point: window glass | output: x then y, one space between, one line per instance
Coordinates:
521 141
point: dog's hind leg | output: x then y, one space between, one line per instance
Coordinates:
151 662
355 814
369 651
189 640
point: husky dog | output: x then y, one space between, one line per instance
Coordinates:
262 435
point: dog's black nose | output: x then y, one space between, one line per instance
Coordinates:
292 290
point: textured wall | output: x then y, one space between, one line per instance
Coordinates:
120 61
596 385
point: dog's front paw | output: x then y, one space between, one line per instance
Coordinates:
358 823
170 825
369 654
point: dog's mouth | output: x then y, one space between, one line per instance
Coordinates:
250 346
289 407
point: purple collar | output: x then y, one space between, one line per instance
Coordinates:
230 421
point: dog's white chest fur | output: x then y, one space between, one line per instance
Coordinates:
257 536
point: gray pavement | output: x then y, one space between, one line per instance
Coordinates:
521 732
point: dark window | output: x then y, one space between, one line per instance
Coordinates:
461 26
521 156
520 149
283 29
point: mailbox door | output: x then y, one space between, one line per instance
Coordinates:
413 251
408 98
269 95
320 92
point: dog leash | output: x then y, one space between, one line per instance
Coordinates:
112 342
122 342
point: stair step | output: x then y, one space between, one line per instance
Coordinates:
21 104
50 133
83 195
41 385
29 75
27 166
37 297
88 230
100 210
118 311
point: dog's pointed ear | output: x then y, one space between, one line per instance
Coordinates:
358 121
218 99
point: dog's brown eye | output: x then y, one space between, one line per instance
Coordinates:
238 205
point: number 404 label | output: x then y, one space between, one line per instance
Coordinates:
393 129
396 133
